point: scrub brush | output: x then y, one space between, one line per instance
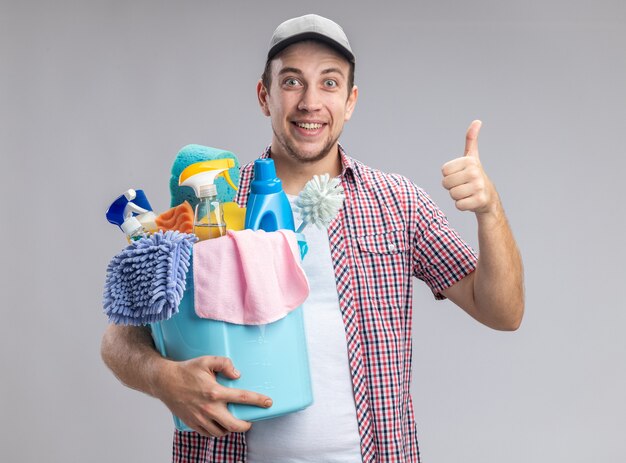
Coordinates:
146 281
319 201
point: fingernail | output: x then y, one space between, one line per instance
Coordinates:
236 372
268 403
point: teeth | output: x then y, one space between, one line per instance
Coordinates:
308 126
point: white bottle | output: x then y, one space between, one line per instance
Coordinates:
133 229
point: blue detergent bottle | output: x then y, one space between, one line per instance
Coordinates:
282 344
268 207
272 358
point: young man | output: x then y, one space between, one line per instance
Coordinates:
358 315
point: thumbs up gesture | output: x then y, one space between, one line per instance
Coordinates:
466 180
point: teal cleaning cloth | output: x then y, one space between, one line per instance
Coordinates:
146 281
191 154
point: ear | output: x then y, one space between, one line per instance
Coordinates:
262 94
351 102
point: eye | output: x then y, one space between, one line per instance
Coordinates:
330 83
291 82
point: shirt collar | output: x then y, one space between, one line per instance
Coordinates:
347 163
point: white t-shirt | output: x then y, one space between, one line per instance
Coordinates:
327 430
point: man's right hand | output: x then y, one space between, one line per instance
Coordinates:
191 391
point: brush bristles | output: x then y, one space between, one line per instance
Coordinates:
320 200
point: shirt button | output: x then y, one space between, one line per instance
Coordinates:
391 246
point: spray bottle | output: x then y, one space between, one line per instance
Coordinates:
133 229
146 217
209 215
121 212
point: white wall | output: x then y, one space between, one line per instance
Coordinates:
97 97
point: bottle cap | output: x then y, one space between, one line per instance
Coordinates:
265 179
131 225
207 190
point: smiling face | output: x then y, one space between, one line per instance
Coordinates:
308 101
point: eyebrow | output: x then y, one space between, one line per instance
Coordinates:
331 70
290 70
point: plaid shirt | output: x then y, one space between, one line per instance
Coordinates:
387 231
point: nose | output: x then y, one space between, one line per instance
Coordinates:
310 100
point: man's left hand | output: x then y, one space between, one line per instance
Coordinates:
466 180
494 293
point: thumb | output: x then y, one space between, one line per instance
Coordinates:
471 139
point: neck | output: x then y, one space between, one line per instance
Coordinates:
294 173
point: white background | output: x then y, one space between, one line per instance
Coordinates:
97 97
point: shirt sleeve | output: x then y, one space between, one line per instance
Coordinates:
440 257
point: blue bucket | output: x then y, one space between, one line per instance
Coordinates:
272 358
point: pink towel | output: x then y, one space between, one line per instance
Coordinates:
248 277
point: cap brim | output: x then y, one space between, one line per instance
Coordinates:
280 46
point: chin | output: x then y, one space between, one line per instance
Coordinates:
308 155
306 152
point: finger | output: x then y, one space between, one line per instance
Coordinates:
471 138
229 423
462 191
223 365
241 396
456 165
459 164
471 203
216 411
456 179
210 429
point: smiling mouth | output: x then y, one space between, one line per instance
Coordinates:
309 125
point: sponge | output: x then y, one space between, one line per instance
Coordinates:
177 218
191 154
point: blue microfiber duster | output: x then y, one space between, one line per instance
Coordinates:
146 281
191 154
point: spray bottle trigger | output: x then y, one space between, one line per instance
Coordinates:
230 181
130 194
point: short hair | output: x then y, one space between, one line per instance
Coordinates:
266 77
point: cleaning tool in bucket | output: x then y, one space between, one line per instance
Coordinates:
261 278
208 221
272 358
268 206
146 281
319 201
192 154
177 218
133 229
133 203
234 216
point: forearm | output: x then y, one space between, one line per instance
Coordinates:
494 293
188 388
498 281
130 354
